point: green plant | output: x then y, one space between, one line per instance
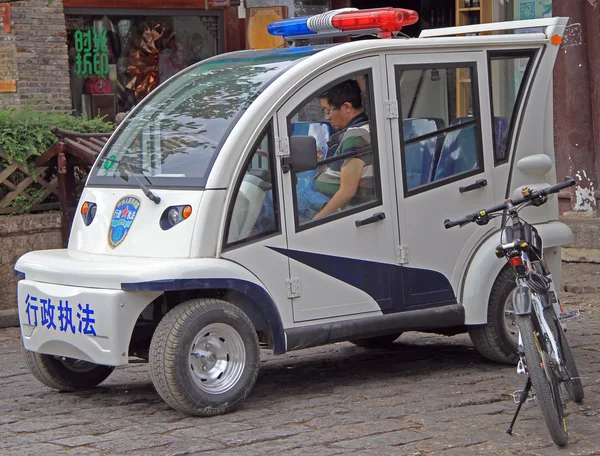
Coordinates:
26 133
22 131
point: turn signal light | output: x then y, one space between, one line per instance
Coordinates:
88 212
556 40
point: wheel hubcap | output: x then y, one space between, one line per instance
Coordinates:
217 358
76 365
510 321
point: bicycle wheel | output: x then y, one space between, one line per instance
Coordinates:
543 379
573 383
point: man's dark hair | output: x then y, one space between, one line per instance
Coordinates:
346 91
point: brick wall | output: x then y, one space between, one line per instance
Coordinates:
19 235
35 54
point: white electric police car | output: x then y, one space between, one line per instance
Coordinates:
208 230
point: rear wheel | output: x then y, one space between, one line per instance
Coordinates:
204 357
542 372
377 342
498 339
65 374
573 382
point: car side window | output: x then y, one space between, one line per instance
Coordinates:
439 125
347 176
254 212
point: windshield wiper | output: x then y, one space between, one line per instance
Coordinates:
151 196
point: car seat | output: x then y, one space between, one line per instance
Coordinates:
459 151
500 137
249 203
419 156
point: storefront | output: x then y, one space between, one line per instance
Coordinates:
117 55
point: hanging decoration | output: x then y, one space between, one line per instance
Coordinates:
142 69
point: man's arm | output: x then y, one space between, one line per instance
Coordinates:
349 181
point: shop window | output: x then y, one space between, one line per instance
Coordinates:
254 213
347 178
116 60
439 125
508 72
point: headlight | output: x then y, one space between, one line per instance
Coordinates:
174 215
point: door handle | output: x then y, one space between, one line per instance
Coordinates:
374 218
474 186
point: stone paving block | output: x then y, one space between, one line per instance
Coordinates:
392 438
205 430
43 424
133 442
37 449
183 448
78 440
266 434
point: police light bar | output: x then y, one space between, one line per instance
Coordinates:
346 21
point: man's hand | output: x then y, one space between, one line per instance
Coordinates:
319 154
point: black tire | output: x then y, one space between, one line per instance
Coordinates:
544 380
204 357
65 374
377 342
573 386
498 339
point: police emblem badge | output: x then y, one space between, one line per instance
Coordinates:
125 211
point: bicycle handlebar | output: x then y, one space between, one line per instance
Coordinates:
469 218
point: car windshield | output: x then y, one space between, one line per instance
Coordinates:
174 137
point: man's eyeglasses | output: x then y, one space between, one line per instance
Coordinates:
328 112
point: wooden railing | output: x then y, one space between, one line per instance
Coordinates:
72 156
17 180
54 180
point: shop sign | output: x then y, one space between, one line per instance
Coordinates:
91 45
9 86
5 17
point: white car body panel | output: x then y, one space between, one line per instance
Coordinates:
285 274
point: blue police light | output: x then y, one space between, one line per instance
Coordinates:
290 27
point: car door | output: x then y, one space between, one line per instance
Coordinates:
342 263
442 141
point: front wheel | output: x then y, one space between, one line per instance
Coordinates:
65 374
573 382
204 357
541 370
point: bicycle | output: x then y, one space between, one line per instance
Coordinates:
544 353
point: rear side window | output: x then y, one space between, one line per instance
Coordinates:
439 125
509 72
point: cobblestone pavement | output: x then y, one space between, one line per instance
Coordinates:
428 394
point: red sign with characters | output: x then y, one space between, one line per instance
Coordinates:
5 16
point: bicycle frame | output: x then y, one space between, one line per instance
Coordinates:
526 301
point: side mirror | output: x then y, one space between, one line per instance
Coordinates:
303 154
